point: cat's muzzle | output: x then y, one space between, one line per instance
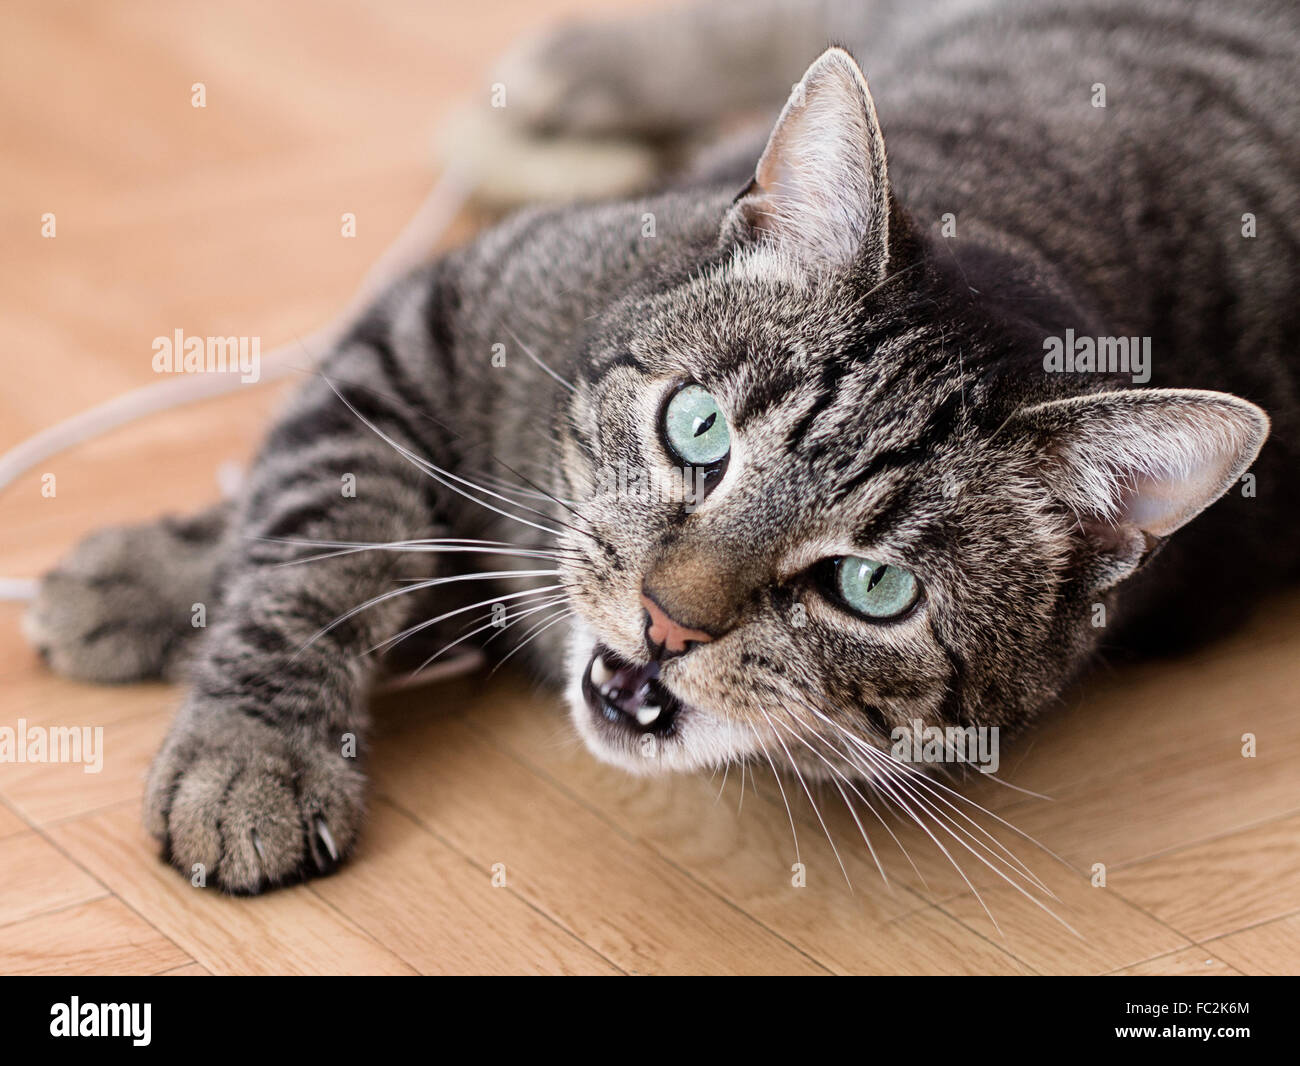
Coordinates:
629 696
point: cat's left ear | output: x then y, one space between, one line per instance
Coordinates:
820 194
1136 465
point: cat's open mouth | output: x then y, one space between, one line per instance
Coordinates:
628 695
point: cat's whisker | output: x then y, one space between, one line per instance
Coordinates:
807 792
962 836
520 612
900 773
726 765
568 505
789 813
870 806
553 607
448 549
514 503
507 621
455 643
726 769
853 785
934 787
939 821
445 478
1018 788
896 773
533 634
1023 869
887 827
529 352
930 783
432 545
532 494
861 829
510 620
425 584
740 804
411 457
889 806
425 624
881 819
413 543
884 781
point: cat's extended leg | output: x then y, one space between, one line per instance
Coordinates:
127 603
673 70
258 782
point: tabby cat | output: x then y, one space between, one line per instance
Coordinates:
808 445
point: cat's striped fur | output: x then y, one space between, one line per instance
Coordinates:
883 380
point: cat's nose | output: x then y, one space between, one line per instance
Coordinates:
666 637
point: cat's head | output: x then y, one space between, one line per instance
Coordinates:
888 514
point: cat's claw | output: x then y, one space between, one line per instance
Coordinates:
252 809
324 837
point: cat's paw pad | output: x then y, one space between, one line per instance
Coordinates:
237 807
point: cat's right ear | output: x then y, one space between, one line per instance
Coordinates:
820 194
1136 465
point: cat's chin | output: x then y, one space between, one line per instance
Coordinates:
628 718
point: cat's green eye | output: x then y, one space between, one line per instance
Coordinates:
695 428
874 589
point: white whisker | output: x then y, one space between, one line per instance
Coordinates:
458 641
528 352
808 793
789 813
426 584
933 785
445 478
534 633
942 823
883 782
419 626
852 811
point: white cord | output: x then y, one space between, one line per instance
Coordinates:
412 246
17 588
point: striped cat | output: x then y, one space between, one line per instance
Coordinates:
778 461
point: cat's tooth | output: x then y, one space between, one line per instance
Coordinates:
600 673
647 714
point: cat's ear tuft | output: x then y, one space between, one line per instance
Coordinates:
1136 465
820 194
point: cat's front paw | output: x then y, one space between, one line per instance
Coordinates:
126 602
240 806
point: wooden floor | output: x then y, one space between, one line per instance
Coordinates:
226 220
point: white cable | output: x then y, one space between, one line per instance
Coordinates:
17 588
412 246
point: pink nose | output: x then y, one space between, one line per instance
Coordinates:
668 635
